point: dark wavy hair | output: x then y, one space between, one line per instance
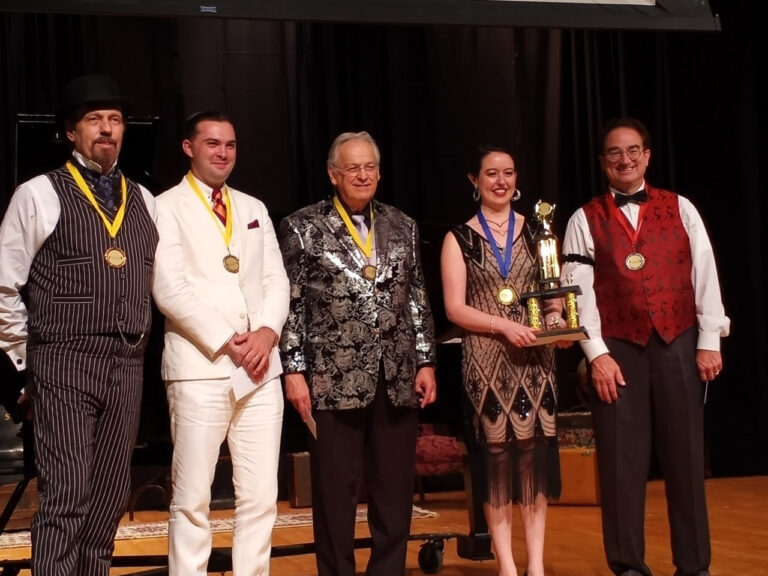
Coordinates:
475 160
192 121
625 122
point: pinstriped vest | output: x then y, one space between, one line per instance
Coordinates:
72 291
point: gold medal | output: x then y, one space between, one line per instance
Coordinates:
506 295
115 257
369 272
635 261
231 264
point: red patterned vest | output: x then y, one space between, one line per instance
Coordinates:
658 296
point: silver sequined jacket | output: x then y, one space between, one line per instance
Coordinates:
341 326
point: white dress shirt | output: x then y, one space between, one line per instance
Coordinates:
710 314
31 217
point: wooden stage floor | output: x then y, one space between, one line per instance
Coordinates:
738 511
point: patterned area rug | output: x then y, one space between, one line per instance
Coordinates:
136 530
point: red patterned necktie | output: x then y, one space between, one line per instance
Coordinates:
219 208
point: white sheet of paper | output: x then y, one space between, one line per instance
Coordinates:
312 426
242 385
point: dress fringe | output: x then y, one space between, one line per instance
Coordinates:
519 472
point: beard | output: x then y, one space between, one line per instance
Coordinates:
105 156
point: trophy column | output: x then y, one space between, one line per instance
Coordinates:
548 286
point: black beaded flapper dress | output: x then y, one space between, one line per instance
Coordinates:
511 392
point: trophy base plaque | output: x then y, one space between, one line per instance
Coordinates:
549 336
544 335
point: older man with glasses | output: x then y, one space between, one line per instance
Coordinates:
651 304
358 351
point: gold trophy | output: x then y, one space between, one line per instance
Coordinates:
549 287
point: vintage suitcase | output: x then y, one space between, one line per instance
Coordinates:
578 473
578 460
299 480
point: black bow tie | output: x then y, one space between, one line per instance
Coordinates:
638 198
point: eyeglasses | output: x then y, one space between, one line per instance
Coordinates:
614 155
355 169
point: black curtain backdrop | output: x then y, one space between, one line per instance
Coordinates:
428 94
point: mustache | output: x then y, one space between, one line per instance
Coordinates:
105 140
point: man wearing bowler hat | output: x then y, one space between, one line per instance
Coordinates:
79 244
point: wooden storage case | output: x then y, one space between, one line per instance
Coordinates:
578 460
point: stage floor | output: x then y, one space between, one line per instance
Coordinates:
737 507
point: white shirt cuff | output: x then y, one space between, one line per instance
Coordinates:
593 348
709 341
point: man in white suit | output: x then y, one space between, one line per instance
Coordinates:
220 282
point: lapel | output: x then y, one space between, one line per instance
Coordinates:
382 227
239 242
194 213
350 252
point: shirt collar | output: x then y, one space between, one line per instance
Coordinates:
366 211
205 188
90 164
614 191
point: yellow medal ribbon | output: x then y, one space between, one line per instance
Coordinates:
227 234
364 248
114 226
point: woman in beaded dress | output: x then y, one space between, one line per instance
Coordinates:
510 388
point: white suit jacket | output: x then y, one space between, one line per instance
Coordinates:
203 303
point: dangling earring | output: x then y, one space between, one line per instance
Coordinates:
476 195
516 195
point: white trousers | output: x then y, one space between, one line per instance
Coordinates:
203 415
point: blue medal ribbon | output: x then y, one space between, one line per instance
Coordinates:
505 261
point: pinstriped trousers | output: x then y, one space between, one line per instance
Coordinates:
86 396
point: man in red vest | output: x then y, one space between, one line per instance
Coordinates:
652 307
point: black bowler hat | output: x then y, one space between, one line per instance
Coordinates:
90 91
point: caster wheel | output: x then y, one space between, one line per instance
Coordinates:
431 556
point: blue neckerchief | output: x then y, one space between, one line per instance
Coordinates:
106 186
